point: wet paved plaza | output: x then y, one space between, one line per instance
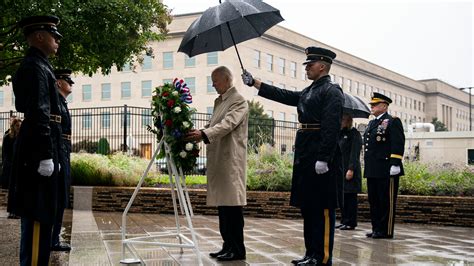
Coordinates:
96 240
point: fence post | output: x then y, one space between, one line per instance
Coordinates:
125 122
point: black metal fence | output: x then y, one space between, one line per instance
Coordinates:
124 128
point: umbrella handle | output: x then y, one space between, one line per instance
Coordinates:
235 46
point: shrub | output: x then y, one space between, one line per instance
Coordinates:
268 170
103 147
112 170
85 146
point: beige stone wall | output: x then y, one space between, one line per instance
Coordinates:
414 101
440 147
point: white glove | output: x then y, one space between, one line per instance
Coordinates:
394 170
46 167
247 79
321 167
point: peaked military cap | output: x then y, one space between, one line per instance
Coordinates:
314 54
36 23
379 98
64 74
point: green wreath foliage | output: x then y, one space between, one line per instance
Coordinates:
172 118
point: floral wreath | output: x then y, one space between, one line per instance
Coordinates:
172 119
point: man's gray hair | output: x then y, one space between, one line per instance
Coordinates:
225 72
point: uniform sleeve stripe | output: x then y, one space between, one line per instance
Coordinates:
396 156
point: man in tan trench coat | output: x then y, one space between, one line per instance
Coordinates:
226 136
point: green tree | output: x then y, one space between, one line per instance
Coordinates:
97 34
439 126
261 126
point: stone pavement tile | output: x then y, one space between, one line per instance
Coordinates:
87 240
88 256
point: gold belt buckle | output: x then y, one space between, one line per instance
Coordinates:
55 118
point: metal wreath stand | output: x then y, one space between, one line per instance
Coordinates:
178 186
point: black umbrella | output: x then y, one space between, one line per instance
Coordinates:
227 24
355 106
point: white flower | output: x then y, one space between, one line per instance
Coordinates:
186 124
175 93
183 154
189 146
177 109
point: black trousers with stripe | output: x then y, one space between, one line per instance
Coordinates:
318 230
383 194
35 243
231 227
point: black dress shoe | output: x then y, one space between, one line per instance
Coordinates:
309 261
378 235
339 226
229 256
218 253
296 261
369 234
347 227
61 247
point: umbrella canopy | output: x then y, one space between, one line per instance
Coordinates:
227 24
355 106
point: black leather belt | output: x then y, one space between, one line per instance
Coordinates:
315 126
55 118
66 136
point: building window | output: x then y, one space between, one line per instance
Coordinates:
212 59
281 116
210 88
86 93
269 113
68 99
293 69
13 99
348 84
2 94
256 58
146 117
189 61
127 67
362 89
269 62
105 91
293 118
281 66
168 60
303 73
340 81
356 87
126 90
105 120
87 121
191 82
209 110
146 88
147 62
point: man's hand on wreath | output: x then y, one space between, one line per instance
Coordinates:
193 135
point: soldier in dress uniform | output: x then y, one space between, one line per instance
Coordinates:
64 84
318 160
384 143
35 165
